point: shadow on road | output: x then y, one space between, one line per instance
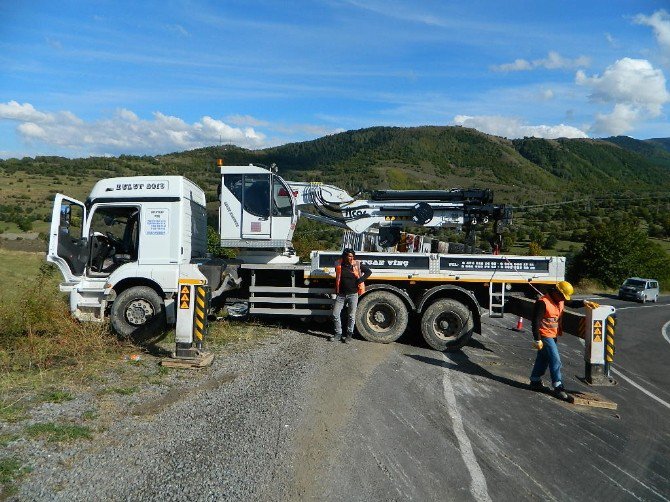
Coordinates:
461 362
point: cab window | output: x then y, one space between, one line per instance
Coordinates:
257 195
114 236
281 199
71 220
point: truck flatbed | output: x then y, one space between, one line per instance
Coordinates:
448 267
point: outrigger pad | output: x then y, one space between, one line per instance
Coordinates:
592 400
201 360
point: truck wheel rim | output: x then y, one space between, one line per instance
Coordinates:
447 326
139 312
381 317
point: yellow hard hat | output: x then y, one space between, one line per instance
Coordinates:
566 289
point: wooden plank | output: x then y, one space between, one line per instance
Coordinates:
592 400
196 363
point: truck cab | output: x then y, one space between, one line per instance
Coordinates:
131 234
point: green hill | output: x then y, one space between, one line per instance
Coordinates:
655 150
519 171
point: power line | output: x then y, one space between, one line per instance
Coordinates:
594 199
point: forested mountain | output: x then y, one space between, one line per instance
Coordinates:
656 150
528 170
398 157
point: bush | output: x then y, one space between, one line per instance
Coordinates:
550 242
534 249
37 331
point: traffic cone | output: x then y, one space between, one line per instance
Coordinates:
519 324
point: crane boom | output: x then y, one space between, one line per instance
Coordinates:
259 209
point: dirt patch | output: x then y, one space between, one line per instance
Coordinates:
31 245
156 405
330 408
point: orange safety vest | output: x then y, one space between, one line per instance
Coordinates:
356 269
550 326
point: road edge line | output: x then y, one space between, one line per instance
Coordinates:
478 486
639 387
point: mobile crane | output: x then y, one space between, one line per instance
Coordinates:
135 251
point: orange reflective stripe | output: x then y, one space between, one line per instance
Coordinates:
550 325
356 270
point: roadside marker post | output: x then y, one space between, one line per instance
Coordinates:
191 329
599 344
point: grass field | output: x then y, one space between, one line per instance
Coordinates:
16 267
47 356
664 243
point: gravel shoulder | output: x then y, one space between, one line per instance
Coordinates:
259 424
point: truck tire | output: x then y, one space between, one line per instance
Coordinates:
381 317
138 313
447 325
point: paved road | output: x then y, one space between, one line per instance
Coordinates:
428 426
298 418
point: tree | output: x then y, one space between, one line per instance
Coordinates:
214 245
613 252
550 241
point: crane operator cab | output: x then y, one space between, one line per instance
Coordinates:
257 212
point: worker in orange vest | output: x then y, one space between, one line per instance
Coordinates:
547 316
350 275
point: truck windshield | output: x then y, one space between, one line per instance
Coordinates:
636 283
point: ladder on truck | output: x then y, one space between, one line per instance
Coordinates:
496 299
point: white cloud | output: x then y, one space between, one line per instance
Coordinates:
178 28
553 61
306 129
547 94
248 120
511 127
517 65
636 89
124 132
22 112
660 22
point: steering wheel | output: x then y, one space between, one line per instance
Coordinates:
104 246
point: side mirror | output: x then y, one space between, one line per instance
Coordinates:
65 214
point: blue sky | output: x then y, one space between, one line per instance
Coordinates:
117 77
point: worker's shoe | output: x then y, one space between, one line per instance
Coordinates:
335 338
559 393
348 339
538 386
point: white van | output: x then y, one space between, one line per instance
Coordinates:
642 290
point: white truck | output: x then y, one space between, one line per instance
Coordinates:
136 248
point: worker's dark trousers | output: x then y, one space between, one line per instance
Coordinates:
352 302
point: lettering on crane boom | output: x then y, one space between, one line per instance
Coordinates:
355 213
185 297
